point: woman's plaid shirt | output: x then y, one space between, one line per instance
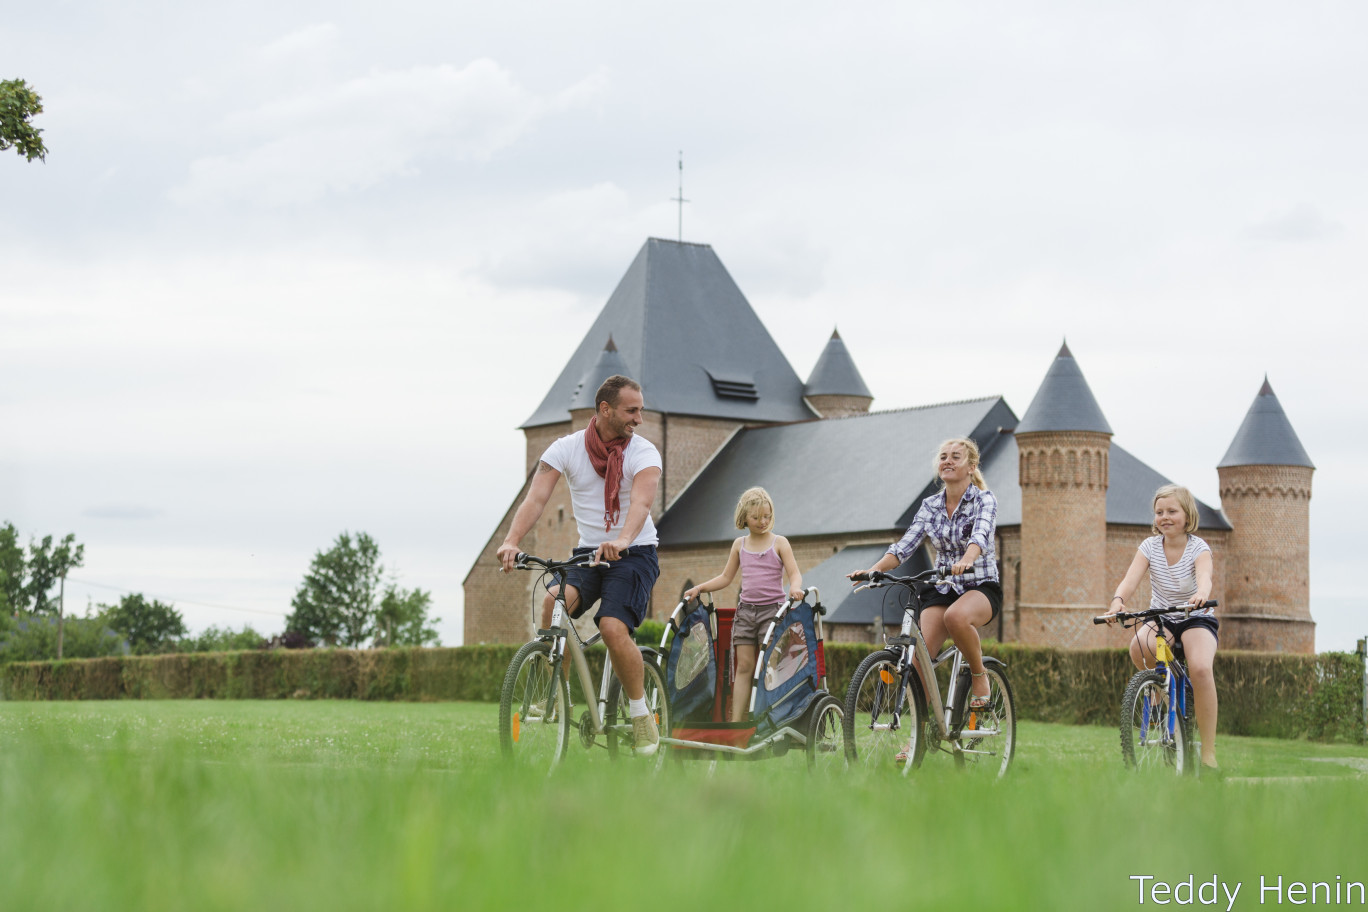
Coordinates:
974 520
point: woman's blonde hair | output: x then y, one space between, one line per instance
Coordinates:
752 498
971 450
1186 501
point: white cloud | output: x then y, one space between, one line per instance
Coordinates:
1303 222
362 132
306 41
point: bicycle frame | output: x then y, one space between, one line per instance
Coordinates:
565 637
1175 683
910 638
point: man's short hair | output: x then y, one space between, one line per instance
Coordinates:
612 388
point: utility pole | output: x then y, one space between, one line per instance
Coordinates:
61 614
680 199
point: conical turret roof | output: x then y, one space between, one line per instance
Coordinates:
835 373
1064 401
687 334
1265 436
609 363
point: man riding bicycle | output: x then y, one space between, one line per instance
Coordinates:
613 476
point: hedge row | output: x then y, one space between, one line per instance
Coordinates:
1267 694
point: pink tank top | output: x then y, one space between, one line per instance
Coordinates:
762 577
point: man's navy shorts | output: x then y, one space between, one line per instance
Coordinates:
622 587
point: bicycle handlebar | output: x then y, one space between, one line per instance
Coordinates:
1153 612
878 578
525 561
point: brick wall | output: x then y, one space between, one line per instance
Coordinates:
1063 477
1268 578
687 443
839 406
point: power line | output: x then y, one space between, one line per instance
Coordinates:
176 600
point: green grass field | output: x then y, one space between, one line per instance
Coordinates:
339 805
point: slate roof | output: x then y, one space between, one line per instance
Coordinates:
1064 401
1265 436
609 363
835 373
840 475
686 333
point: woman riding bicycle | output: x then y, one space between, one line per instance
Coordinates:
960 521
1179 565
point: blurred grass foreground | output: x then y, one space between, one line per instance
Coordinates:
354 805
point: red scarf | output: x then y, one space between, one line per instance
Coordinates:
607 460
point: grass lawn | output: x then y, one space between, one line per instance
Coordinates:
340 805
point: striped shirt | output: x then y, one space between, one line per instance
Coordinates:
973 522
1173 584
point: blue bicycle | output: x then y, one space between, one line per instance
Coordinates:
1156 710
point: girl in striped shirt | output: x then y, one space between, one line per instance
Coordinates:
1179 565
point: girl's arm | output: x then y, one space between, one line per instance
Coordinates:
1202 565
966 563
1138 568
723 579
902 549
795 578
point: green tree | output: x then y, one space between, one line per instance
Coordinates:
149 627
11 571
33 638
223 639
47 563
336 603
18 105
402 619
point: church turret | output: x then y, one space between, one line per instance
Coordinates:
1266 494
1064 446
835 388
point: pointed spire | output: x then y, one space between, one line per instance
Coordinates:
681 324
1064 401
609 362
835 373
1265 436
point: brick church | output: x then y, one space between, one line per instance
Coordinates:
727 411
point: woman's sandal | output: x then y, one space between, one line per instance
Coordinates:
980 703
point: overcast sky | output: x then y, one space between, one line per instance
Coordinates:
298 268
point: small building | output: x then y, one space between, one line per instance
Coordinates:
727 411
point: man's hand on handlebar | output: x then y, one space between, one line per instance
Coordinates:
508 556
610 551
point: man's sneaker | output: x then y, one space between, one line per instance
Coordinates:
645 735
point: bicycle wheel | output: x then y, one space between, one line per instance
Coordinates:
1146 742
987 740
619 720
871 739
534 717
826 738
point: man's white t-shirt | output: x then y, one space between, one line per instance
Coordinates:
569 457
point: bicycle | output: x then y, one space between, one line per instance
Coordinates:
1156 720
886 706
535 708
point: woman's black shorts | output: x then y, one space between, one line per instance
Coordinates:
991 589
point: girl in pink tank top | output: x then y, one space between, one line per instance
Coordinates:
763 559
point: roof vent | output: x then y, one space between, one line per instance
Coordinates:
734 386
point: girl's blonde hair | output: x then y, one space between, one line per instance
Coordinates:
1186 501
971 450
752 498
